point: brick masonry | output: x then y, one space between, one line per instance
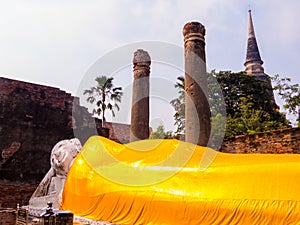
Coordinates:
10 195
118 132
15 193
33 118
279 142
7 216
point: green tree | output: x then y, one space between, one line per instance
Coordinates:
249 102
289 92
160 133
178 104
251 120
104 95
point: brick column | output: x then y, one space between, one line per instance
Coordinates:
197 112
139 128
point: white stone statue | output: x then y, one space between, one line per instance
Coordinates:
51 187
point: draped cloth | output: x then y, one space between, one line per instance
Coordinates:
165 182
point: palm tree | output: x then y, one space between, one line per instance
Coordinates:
105 95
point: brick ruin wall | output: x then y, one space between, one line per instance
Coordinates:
15 193
10 196
284 141
7 216
33 118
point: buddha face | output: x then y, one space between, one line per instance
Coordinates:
63 154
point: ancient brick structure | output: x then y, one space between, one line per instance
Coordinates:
118 132
33 118
253 62
7 216
197 112
12 194
278 141
140 96
15 193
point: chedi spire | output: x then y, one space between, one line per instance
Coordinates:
253 61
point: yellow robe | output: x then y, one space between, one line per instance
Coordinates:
173 182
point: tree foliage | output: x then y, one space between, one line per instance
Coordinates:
104 95
290 93
251 120
160 133
178 104
249 102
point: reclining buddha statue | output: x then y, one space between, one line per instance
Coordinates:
172 182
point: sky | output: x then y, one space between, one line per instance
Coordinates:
58 42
